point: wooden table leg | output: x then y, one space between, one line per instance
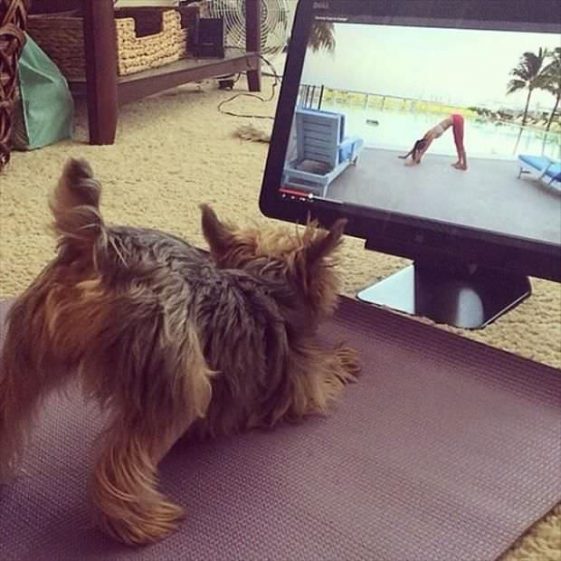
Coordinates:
100 45
253 40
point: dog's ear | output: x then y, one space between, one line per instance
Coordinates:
322 246
218 235
313 269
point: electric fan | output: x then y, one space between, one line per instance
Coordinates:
275 23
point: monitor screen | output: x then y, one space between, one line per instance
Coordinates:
425 117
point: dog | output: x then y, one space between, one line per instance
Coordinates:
171 341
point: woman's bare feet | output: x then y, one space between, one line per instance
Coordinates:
458 165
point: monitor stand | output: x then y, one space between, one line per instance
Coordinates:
457 295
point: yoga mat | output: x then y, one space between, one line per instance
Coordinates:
445 450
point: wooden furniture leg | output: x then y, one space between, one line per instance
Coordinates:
100 45
13 18
253 40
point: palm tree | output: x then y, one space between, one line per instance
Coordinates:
552 81
528 74
322 36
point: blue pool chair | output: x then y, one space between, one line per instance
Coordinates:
322 151
548 170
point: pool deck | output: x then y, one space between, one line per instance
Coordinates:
488 195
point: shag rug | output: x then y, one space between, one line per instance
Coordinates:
176 150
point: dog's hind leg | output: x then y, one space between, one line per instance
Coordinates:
46 331
156 383
27 373
124 490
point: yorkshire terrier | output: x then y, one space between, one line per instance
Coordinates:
170 340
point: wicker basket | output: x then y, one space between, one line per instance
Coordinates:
13 15
145 39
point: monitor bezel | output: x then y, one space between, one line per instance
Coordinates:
392 232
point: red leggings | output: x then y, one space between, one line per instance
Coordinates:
458 129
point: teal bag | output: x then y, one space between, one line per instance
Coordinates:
45 108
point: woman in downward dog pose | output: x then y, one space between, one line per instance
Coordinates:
456 121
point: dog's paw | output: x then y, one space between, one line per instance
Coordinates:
349 362
142 524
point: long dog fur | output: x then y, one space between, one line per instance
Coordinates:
170 340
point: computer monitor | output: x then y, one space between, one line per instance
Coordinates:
434 127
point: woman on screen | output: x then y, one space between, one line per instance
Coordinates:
456 121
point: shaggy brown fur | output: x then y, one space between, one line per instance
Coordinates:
170 341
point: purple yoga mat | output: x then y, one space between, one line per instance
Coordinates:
445 450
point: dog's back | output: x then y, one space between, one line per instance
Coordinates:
117 297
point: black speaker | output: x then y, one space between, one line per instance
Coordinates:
190 22
210 38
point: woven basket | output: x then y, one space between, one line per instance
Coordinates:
13 15
145 39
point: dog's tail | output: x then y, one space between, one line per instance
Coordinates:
75 206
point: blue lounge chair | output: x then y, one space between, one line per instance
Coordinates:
322 151
548 170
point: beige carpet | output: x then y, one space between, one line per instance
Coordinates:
175 151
